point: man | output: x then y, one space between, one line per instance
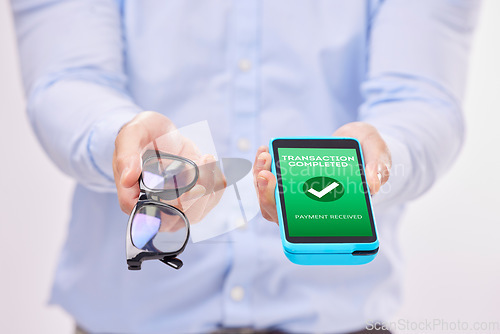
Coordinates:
390 73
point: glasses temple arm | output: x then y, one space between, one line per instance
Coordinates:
172 262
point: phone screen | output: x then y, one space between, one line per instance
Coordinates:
323 192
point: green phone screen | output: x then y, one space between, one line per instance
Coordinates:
323 192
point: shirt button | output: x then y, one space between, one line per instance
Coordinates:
240 222
245 65
244 144
237 293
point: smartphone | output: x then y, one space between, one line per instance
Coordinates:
323 201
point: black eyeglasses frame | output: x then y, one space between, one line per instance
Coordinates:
148 196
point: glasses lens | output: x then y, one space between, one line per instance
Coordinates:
167 173
159 229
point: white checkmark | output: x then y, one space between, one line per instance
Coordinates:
323 192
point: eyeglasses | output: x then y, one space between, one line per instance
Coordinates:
157 230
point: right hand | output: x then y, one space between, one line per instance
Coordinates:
375 151
130 143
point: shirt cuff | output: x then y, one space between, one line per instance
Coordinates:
101 143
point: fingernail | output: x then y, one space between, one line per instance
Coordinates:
379 175
261 162
261 182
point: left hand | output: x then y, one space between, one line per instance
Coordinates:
375 153
138 135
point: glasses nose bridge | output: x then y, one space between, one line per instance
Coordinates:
166 176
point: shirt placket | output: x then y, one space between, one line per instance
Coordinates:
243 58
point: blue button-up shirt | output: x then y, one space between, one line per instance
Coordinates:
253 70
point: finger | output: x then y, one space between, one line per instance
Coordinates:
373 177
188 199
218 191
220 179
198 205
263 163
207 167
127 186
262 180
378 162
213 199
134 136
384 170
129 143
215 196
375 152
258 164
266 184
207 180
189 149
197 211
130 175
128 197
126 168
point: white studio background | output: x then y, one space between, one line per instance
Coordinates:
35 198
449 237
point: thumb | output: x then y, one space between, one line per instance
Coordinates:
377 173
131 171
373 177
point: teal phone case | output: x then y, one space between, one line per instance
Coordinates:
323 253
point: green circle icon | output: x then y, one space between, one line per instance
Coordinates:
323 189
